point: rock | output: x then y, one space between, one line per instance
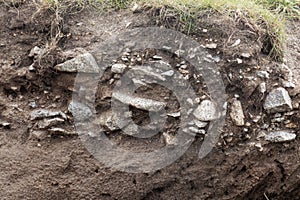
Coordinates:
278 100
263 74
42 113
84 63
141 103
280 136
200 124
236 43
80 111
211 46
5 125
237 114
156 57
46 123
61 131
175 115
118 68
109 120
197 130
206 111
31 68
38 134
170 139
168 73
35 51
262 87
32 104
246 55
239 61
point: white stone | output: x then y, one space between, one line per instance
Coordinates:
206 111
280 136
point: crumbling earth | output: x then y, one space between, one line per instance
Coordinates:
41 156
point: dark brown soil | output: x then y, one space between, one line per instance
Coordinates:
59 166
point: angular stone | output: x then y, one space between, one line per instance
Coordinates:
42 113
280 136
84 63
200 124
138 102
118 68
46 123
278 100
80 111
237 114
206 111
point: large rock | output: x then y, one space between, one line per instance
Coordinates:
84 63
280 136
278 100
237 114
206 111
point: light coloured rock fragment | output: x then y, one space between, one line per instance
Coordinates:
46 123
280 136
80 111
138 102
170 139
61 131
111 121
175 115
168 73
200 124
197 130
237 114
42 113
118 68
84 63
206 111
263 74
278 100
35 51
211 46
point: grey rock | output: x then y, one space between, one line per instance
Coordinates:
110 120
237 114
278 100
118 68
38 134
206 111
80 111
138 102
280 136
263 74
42 113
84 63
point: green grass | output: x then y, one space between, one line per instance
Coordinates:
270 15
